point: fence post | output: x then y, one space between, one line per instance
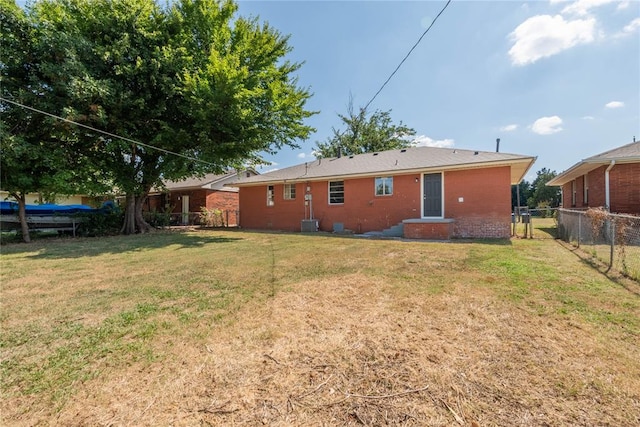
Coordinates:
579 228
612 228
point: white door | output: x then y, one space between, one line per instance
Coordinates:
185 210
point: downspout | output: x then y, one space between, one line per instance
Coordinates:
607 198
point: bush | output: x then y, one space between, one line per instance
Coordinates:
104 223
158 219
211 217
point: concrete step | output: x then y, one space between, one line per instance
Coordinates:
394 231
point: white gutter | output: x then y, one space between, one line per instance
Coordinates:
607 197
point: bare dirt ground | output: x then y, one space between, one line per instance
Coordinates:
345 353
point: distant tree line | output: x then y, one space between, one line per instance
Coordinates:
536 194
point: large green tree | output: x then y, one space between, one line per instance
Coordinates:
191 87
541 194
36 154
365 133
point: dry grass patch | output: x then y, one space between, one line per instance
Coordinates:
278 329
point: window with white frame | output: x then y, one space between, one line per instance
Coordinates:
384 185
336 192
289 191
270 193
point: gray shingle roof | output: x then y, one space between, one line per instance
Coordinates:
626 152
413 159
629 153
209 181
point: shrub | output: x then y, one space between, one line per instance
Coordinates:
211 217
105 223
158 219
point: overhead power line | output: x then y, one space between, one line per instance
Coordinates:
407 55
113 135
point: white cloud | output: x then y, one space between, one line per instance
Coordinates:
628 29
547 125
263 168
633 25
302 155
544 35
582 7
509 128
614 104
588 118
425 141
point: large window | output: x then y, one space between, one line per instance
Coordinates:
270 201
384 186
289 191
336 192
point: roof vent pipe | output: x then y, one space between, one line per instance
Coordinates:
339 151
497 145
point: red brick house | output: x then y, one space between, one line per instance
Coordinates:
185 199
610 180
420 192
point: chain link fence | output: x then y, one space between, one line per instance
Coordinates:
523 220
611 238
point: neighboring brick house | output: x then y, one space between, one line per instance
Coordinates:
425 192
610 180
185 199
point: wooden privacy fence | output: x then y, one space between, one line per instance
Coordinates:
611 238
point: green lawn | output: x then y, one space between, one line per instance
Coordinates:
232 327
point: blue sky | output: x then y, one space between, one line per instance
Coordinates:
559 80
555 79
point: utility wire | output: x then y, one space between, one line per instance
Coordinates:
407 56
113 135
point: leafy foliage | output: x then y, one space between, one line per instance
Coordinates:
365 134
537 195
189 78
541 194
100 223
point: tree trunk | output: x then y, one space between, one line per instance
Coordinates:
133 220
129 225
142 225
22 214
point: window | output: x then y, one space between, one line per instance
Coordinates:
573 192
586 190
336 192
384 186
289 191
270 193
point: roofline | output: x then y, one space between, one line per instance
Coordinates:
577 170
459 166
533 160
206 184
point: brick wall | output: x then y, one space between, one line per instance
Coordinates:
362 210
480 202
624 184
224 200
624 187
428 230
479 199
